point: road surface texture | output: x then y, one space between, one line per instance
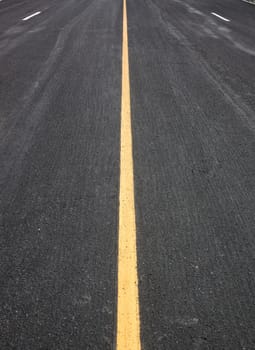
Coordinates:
192 85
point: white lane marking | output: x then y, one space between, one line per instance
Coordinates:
30 16
223 18
251 2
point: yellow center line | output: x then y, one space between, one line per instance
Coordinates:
128 319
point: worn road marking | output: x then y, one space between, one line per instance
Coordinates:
128 318
223 18
252 2
30 16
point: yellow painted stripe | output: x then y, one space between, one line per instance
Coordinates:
128 320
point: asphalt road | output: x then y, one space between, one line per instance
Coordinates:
192 83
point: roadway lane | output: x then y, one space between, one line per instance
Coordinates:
192 106
193 126
59 155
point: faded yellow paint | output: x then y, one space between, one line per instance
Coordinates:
128 319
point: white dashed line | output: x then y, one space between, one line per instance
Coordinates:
223 18
30 16
251 2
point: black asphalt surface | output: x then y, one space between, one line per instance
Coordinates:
192 81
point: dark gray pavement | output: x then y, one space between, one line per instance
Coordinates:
193 111
59 158
193 125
